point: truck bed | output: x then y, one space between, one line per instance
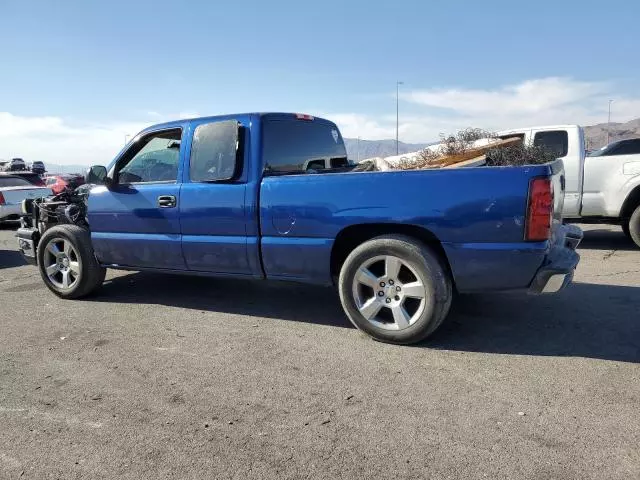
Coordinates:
475 215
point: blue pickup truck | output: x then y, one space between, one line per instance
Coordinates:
273 196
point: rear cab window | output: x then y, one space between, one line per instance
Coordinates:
301 144
555 141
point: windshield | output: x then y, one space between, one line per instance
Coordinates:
602 151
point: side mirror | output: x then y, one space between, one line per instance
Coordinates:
97 175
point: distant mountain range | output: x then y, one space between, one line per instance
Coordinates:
596 135
53 168
378 148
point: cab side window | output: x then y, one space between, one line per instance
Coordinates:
626 147
154 158
214 151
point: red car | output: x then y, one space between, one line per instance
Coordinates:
58 183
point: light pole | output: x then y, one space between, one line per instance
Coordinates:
398 116
609 123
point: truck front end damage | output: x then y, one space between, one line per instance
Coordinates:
39 215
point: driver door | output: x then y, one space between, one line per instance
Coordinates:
135 221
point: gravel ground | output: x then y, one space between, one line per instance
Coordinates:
174 377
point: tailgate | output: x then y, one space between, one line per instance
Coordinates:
15 195
558 180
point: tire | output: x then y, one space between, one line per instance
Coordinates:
625 229
67 263
634 226
395 289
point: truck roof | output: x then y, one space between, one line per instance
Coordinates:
540 127
178 123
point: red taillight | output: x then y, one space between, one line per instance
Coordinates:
304 116
540 211
2 200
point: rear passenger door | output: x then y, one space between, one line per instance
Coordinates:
219 231
605 177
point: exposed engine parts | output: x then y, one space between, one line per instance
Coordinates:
68 207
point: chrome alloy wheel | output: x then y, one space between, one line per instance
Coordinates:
61 263
388 293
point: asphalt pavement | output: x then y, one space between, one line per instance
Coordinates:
187 378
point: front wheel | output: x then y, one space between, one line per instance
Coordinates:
634 226
67 263
625 230
395 289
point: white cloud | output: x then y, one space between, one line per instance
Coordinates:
432 112
530 97
412 128
353 125
543 101
56 140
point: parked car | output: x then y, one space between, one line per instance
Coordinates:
13 190
38 167
629 146
229 196
32 178
603 187
16 165
58 183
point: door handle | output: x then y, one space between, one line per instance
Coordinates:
166 201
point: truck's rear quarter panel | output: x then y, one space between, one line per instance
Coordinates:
477 214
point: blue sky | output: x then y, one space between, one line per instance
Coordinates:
78 71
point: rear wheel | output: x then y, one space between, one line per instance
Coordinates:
634 226
395 289
67 263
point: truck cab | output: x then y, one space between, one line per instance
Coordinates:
185 195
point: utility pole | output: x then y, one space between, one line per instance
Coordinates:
398 116
609 123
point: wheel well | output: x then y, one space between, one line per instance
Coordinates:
349 238
630 204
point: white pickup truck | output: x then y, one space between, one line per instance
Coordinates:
603 187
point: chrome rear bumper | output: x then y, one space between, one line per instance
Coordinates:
559 266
